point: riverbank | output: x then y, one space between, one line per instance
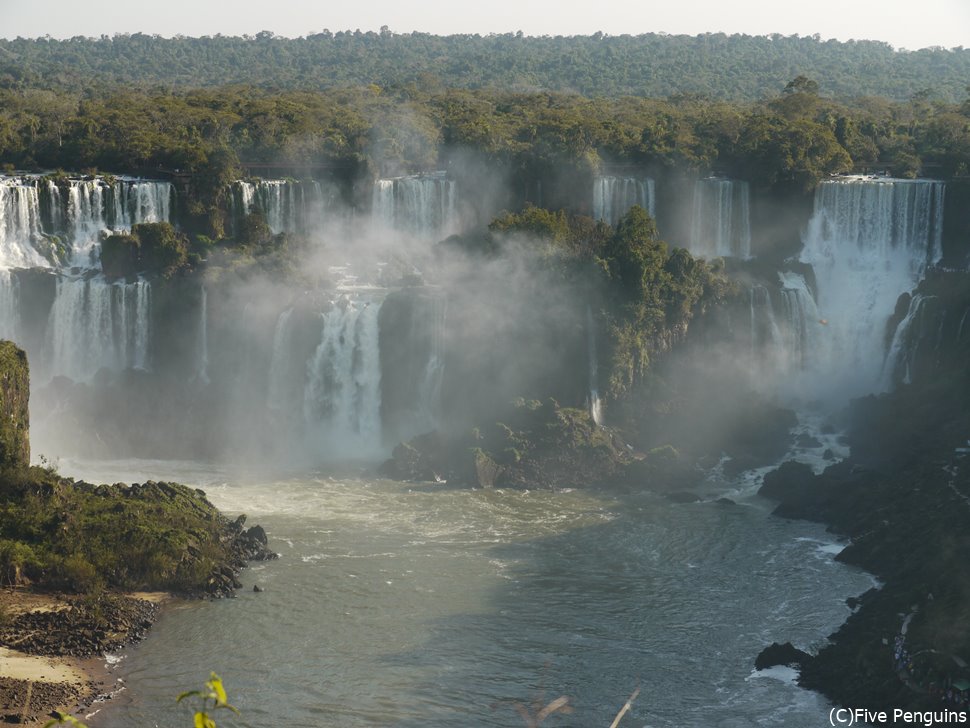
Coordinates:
52 648
903 498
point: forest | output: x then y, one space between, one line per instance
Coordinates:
786 142
714 65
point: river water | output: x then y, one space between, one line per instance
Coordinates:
408 605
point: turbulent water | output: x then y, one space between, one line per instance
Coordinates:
419 605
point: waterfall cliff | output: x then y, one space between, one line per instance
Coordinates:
720 219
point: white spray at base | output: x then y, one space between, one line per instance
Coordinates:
342 396
869 240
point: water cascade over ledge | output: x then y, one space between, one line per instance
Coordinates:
44 221
868 241
422 205
614 196
720 219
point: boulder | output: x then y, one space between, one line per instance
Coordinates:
777 654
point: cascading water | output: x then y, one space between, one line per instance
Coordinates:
595 405
720 219
342 397
614 196
423 205
924 315
868 241
95 324
9 306
429 388
20 224
801 322
76 212
288 206
281 394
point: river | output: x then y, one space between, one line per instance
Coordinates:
407 605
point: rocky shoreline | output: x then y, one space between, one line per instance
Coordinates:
903 499
53 647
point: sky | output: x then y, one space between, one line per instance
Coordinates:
910 24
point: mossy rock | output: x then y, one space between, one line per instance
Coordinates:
14 411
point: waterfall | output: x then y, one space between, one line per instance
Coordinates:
720 223
288 206
77 212
133 202
20 224
429 387
9 306
898 365
281 368
868 241
95 324
801 329
342 397
614 196
595 405
424 205
202 370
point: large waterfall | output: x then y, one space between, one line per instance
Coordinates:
288 206
20 224
342 397
614 196
45 220
95 324
869 240
720 219
423 205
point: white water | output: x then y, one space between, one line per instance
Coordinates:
95 324
898 365
288 206
720 219
9 306
614 196
78 214
595 405
422 205
20 225
869 240
342 397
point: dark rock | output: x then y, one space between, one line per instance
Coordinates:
792 481
725 502
257 588
828 454
778 654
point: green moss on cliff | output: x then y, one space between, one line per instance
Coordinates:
14 413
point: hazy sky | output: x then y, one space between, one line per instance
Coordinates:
908 24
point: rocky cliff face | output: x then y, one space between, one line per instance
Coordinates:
14 413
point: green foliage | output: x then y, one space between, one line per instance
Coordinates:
79 537
655 294
150 247
739 67
211 697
